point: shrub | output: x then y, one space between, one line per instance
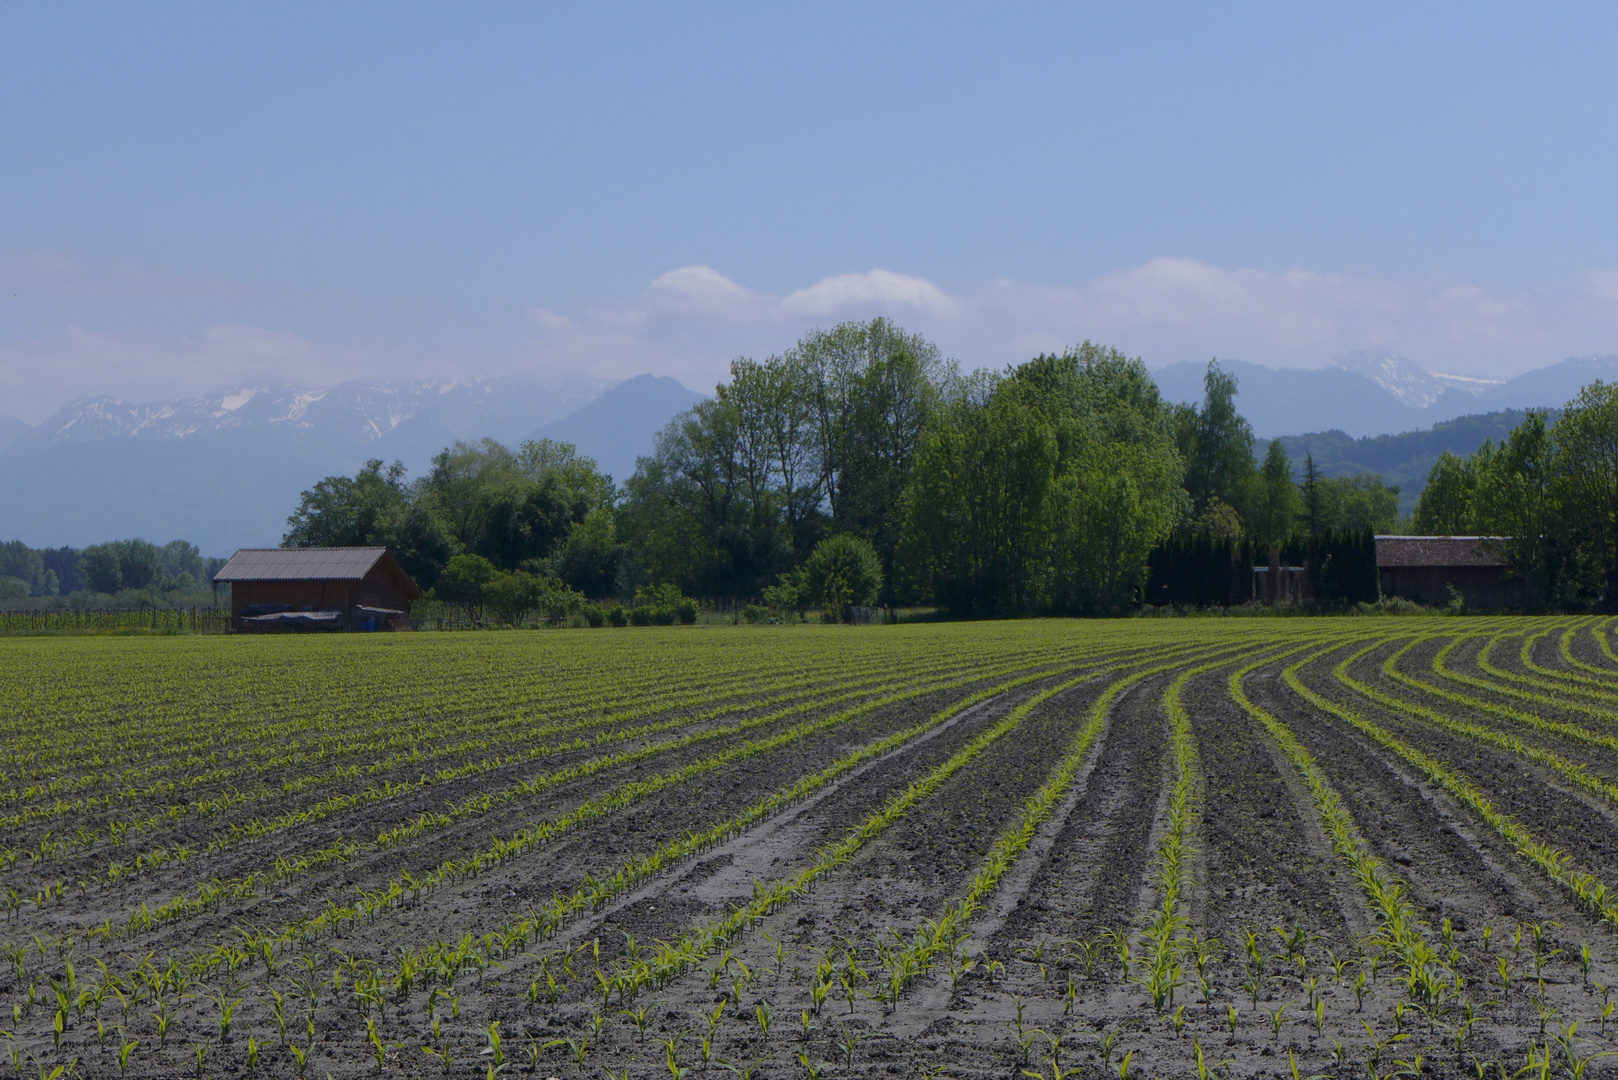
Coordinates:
640 616
663 615
618 616
755 613
593 614
841 571
686 609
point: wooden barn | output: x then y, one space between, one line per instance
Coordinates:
1424 568
336 588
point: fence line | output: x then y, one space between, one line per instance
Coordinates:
204 620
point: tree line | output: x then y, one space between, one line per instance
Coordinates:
133 570
1549 490
862 467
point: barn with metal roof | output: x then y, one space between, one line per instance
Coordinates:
334 588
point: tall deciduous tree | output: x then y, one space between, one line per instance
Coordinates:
977 510
1216 443
1586 468
1446 506
1274 506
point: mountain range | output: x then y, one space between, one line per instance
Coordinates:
1367 394
224 470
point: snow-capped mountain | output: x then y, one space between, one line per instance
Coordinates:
224 470
1377 393
1406 381
358 412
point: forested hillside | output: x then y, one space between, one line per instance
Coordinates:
1402 460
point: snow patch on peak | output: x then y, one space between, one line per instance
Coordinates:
1405 380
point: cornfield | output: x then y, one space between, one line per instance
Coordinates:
1330 847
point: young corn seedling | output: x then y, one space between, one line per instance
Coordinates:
1025 1043
278 1012
640 1017
848 1043
445 1055
1277 1018
227 1010
580 1049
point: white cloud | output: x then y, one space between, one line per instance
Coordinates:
1293 308
1600 294
550 320
876 291
1473 316
704 292
692 320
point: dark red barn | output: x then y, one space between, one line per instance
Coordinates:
335 588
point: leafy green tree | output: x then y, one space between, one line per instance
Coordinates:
141 562
1447 505
1514 499
1586 472
1216 443
373 508
842 570
341 511
589 558
509 593
1117 491
779 451
463 582
516 522
1274 506
182 565
1110 507
101 568
689 509
19 561
1218 522
977 507
872 387
1358 503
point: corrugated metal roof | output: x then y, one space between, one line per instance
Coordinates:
1441 551
300 564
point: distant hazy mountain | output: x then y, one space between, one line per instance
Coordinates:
1554 386
1403 460
621 424
225 470
402 418
1376 393
10 429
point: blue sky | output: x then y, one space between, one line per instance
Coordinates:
200 195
